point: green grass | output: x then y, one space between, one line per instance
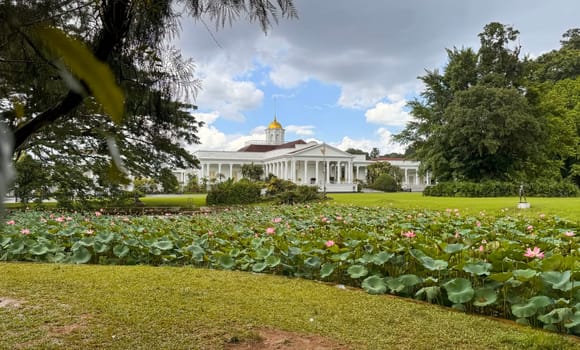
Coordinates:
186 201
139 307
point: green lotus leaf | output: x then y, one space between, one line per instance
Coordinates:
479 269
557 280
382 258
273 260
395 285
374 285
573 321
552 263
432 264
120 250
235 252
162 245
562 314
81 256
4 241
197 252
501 277
259 266
16 248
87 242
431 293
105 237
227 262
312 262
38 249
409 280
263 253
100 247
357 271
541 301
524 275
454 248
327 270
523 321
340 257
484 297
365 259
459 290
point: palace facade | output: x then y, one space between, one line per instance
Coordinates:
304 163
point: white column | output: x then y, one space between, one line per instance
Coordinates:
406 177
304 179
219 172
316 172
327 171
358 172
417 176
349 172
293 170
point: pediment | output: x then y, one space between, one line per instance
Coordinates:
322 150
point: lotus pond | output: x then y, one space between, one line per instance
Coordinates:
520 268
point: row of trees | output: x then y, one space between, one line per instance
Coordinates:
490 114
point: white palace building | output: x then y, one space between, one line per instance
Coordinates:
304 163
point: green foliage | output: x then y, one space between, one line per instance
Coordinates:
31 181
230 192
145 185
377 169
385 183
252 171
502 189
168 181
480 263
276 186
299 194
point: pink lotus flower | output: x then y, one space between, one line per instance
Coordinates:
329 243
59 219
481 248
542 216
409 234
277 220
68 218
25 231
270 230
478 224
11 222
339 218
324 219
90 232
530 228
457 234
98 213
569 234
534 253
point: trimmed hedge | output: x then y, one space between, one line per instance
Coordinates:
230 192
502 189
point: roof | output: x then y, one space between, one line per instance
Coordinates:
268 148
274 124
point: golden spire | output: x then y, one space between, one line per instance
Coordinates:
274 124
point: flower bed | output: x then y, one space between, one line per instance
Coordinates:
518 268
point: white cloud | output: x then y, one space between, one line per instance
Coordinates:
384 142
286 76
392 113
304 130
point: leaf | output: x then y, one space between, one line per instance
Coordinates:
100 247
484 297
478 269
557 280
120 250
432 264
453 248
259 266
501 277
162 245
312 262
524 275
557 315
552 263
83 64
105 237
459 290
38 249
273 260
374 285
81 256
227 262
382 257
327 270
431 293
357 271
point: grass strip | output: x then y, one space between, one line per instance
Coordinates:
140 307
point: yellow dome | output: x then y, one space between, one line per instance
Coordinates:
275 125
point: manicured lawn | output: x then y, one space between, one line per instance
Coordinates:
139 307
186 201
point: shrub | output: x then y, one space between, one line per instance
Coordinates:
385 183
537 188
301 194
276 186
230 192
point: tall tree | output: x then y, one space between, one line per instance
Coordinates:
53 110
473 120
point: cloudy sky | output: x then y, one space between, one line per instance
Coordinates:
343 71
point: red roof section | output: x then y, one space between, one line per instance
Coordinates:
268 148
